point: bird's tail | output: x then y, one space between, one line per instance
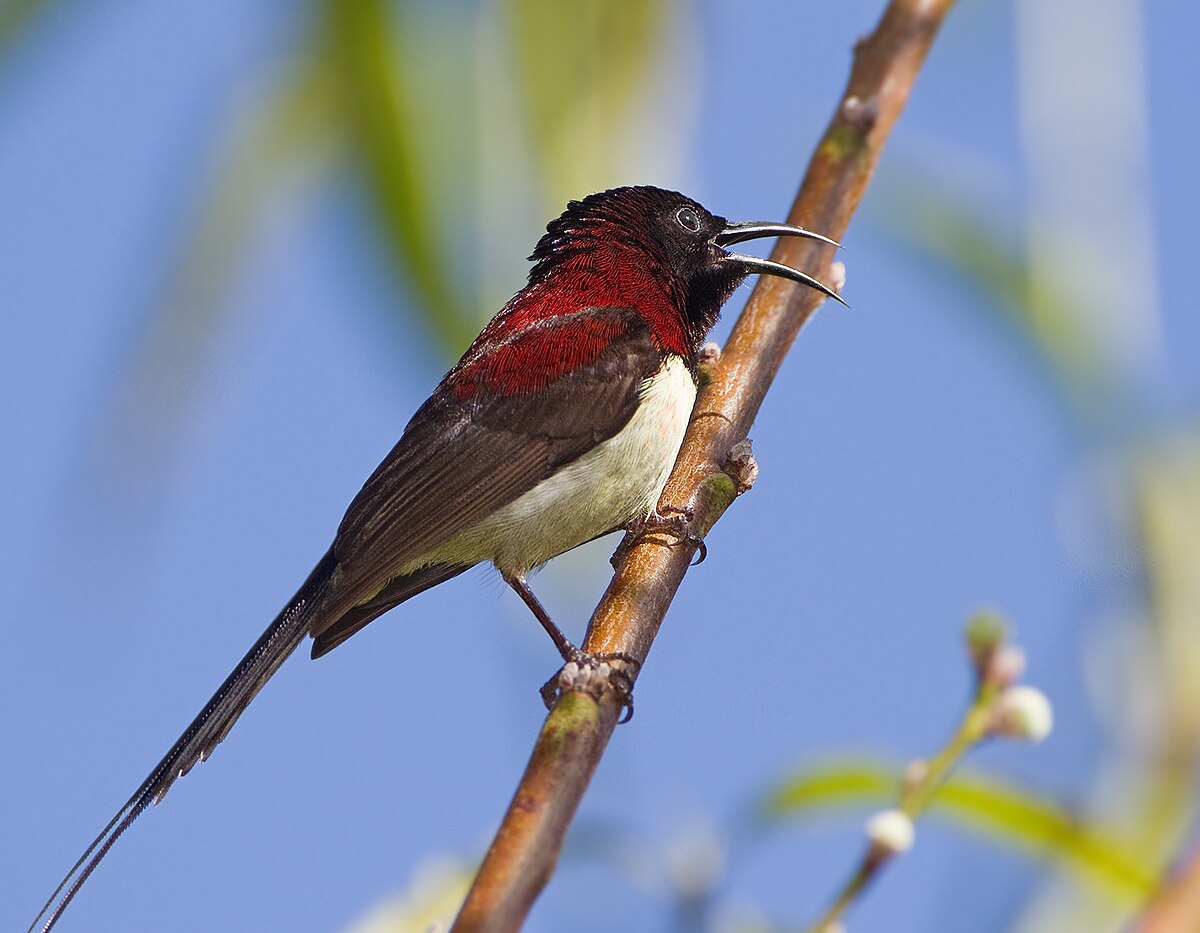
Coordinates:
208 728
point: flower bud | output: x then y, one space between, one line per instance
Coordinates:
914 775
1005 666
1022 713
891 832
837 275
986 632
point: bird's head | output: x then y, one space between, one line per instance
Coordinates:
643 239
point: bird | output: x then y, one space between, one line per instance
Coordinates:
559 424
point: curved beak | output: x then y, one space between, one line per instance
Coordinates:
740 232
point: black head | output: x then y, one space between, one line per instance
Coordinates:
670 237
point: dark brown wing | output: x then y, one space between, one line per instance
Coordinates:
499 424
391 596
473 448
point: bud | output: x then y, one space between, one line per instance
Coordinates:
914 776
1022 713
1005 666
837 275
986 633
891 832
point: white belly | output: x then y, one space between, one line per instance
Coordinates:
621 479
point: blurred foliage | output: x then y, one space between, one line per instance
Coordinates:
16 16
284 138
1087 326
375 86
950 229
429 903
1147 785
1168 520
833 784
580 68
460 149
997 809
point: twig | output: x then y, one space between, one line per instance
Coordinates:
526 847
997 709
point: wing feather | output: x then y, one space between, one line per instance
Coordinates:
473 448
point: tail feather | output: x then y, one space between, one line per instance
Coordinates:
206 731
340 627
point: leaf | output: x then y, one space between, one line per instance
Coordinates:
830 785
579 68
430 901
374 97
1041 826
16 18
995 808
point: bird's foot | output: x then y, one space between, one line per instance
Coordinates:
679 524
592 674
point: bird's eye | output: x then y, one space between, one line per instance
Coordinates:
688 219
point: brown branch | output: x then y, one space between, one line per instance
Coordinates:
525 849
1176 908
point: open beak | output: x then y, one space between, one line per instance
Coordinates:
737 233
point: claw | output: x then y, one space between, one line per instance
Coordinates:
591 674
678 524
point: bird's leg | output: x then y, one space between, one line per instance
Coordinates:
561 642
678 524
582 672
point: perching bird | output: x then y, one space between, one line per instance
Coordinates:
559 424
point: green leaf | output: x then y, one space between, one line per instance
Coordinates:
1035 824
383 130
16 18
579 69
830 785
997 809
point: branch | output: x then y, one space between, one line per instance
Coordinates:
998 708
523 854
1177 906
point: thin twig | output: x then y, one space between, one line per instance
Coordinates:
525 850
998 708
920 787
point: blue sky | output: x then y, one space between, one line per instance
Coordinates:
915 464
